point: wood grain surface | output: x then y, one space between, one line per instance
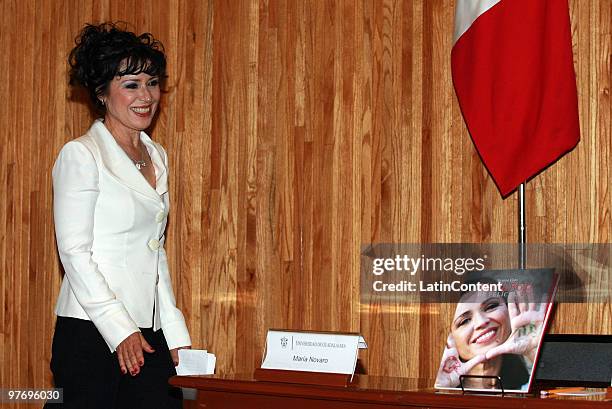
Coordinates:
297 130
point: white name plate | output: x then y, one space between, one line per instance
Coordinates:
311 351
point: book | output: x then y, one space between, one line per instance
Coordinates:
496 331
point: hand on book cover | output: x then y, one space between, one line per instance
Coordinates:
526 320
451 367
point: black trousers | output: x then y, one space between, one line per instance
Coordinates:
91 378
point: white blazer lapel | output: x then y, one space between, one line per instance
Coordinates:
116 161
158 157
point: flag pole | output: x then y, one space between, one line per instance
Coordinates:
522 232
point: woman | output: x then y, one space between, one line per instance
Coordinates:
492 337
118 330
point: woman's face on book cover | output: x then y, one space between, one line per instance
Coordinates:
481 322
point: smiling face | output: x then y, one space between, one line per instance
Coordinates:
131 102
481 322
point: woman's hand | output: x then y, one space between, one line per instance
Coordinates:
129 353
526 320
174 354
451 367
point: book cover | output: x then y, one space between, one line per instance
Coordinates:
496 331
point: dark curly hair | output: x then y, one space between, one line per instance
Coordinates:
108 50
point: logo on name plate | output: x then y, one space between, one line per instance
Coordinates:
284 342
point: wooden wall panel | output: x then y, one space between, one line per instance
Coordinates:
297 130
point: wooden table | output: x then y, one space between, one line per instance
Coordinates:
367 392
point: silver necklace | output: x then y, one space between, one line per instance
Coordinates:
138 163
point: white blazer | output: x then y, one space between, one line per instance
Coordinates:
109 225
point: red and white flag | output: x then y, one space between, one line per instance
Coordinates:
514 78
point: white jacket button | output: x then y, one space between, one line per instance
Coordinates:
153 244
160 216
